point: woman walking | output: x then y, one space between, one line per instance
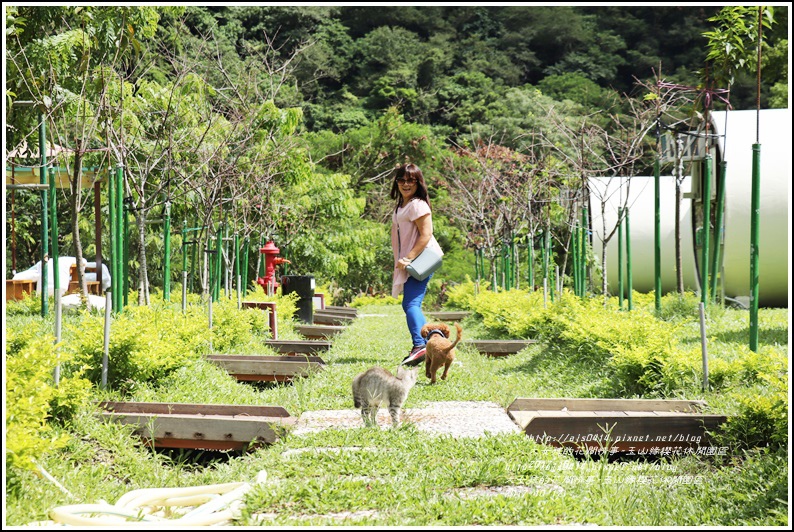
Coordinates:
411 233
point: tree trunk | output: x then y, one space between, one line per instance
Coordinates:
78 246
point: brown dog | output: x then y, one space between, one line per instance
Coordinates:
440 351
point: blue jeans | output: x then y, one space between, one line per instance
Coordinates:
413 294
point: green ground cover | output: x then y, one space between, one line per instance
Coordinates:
406 477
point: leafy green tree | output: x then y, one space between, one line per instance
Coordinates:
66 73
733 43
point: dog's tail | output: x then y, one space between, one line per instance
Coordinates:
457 338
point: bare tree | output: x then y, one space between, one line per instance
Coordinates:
674 114
608 147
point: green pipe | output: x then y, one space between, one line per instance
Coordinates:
184 246
247 248
718 229
227 247
506 266
628 260
184 265
579 264
620 258
477 265
755 237
237 276
552 277
545 257
56 278
114 278
216 292
494 268
167 252
194 259
580 257
584 251
575 259
125 257
657 239
261 271
531 262
44 219
583 255
704 262
119 251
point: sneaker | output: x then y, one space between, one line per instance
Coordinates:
415 357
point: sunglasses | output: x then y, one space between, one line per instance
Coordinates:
404 181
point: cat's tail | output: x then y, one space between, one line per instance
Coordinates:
457 338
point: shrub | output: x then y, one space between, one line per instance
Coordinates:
762 417
146 343
29 305
461 296
381 299
32 400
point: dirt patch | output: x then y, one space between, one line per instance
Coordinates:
507 491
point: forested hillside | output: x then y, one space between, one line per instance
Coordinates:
285 122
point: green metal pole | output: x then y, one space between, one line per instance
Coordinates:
620 258
237 276
119 251
114 278
718 229
583 261
546 254
247 248
657 239
755 237
45 254
184 264
56 277
628 260
575 259
531 262
216 290
704 262
552 276
194 261
261 271
125 256
167 251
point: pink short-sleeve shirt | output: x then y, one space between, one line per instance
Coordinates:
405 218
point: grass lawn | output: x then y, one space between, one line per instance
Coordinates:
406 476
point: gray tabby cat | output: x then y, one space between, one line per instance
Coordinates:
377 387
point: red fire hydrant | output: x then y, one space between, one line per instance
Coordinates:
268 282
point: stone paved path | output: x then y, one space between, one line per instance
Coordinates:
454 418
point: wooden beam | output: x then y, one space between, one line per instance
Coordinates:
596 432
499 347
200 426
267 368
325 319
298 346
449 315
586 404
337 308
320 331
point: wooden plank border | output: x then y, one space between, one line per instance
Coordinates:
198 426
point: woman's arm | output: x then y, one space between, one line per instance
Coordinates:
425 226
